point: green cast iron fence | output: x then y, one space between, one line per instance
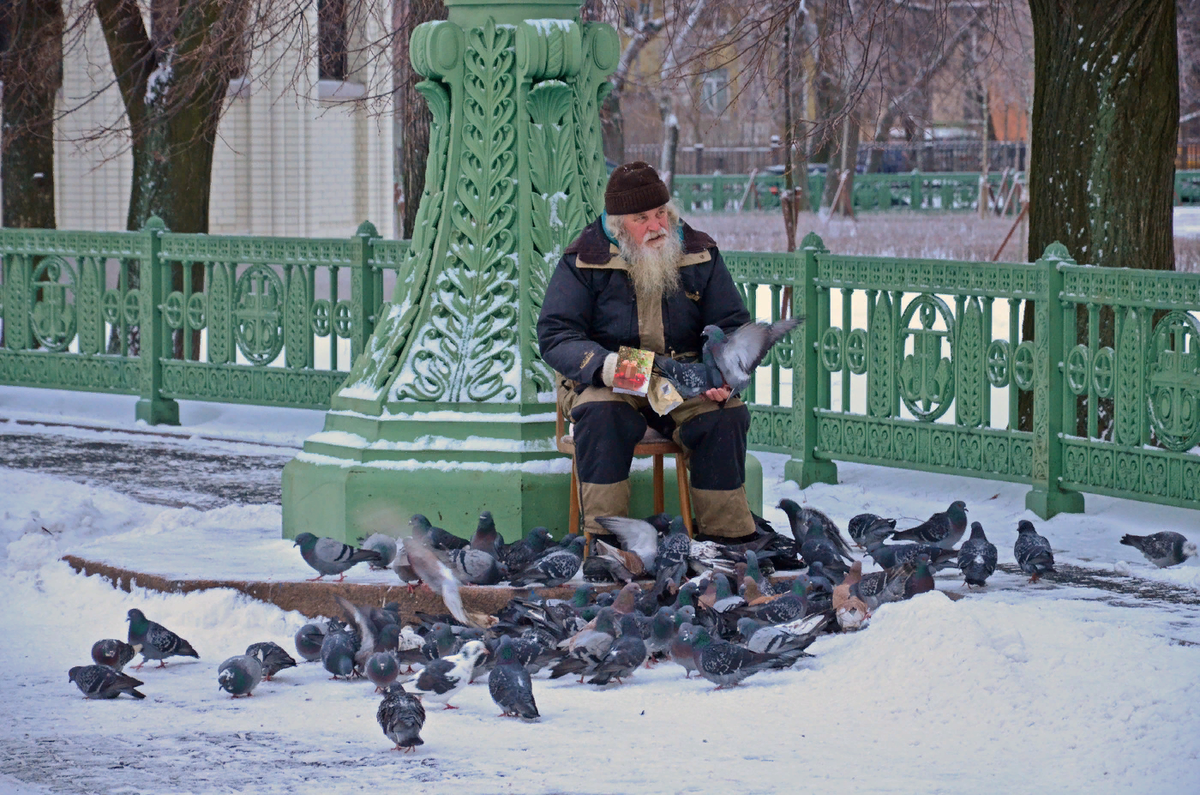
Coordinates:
908 363
933 191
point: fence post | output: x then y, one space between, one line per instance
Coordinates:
804 468
362 290
152 407
1047 497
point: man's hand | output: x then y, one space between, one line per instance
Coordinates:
719 394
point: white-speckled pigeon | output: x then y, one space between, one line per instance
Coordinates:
867 528
116 654
726 664
239 675
401 716
977 557
552 569
329 556
510 685
1032 551
942 529
155 641
100 681
1163 549
273 658
444 678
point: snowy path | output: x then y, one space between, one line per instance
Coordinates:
1083 684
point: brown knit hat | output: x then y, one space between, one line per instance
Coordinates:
634 188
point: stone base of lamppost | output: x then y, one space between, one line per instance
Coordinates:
366 474
1046 503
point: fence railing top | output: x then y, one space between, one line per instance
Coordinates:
253 250
73 243
991 279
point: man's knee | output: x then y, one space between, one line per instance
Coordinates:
606 432
717 442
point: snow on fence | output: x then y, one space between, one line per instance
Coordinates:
912 363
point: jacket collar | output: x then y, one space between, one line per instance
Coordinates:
596 249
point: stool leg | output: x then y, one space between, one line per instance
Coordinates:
685 495
573 522
659 499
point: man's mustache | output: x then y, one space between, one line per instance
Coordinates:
654 235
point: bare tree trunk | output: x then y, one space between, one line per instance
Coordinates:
411 108
1103 134
850 133
670 144
31 68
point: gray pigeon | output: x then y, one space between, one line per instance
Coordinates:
308 641
474 566
155 641
552 569
624 656
1164 549
436 575
942 529
725 664
273 658
116 654
689 378
240 675
588 646
682 651
435 537
338 650
672 558
100 681
737 355
867 528
1032 551
365 635
785 639
662 632
977 557
813 529
510 685
329 556
382 543
401 717
891 555
883 587
528 549
382 669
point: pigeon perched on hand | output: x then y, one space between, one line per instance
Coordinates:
239 675
155 641
100 681
444 678
116 654
1164 549
942 529
510 685
401 716
977 557
273 658
1032 551
736 355
329 556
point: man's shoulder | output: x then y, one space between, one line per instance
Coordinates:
591 244
695 241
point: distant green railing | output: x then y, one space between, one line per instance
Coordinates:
909 363
933 191
278 321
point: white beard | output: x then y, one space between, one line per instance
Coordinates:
653 270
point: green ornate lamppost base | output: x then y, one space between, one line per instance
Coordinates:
449 410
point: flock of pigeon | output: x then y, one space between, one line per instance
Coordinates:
712 609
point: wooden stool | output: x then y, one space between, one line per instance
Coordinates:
652 444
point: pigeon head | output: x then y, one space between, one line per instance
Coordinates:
1189 549
700 638
789 507
507 652
747 626
393 690
74 673
684 615
137 621
473 650
677 525
1026 526
977 531
713 334
420 525
305 541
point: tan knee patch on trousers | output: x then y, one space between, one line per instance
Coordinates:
722 513
602 499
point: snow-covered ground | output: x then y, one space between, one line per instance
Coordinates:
1081 686
1187 221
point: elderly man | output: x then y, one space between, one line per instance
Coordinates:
640 277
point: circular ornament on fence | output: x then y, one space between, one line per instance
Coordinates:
52 313
132 307
1173 381
1102 372
173 310
1077 369
927 377
258 313
996 360
831 349
110 306
343 319
1023 365
320 317
197 306
856 351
